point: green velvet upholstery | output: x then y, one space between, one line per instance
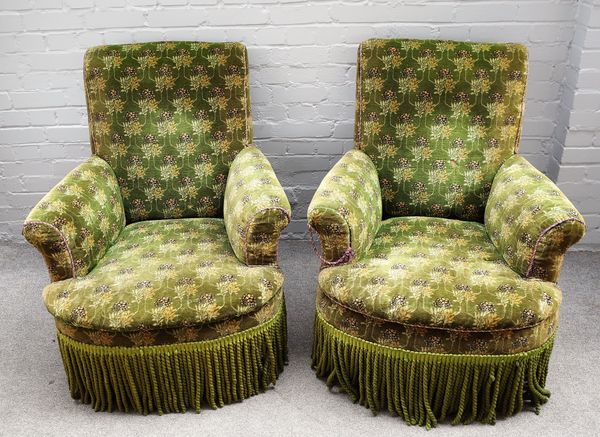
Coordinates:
438 118
437 294
78 220
432 338
256 208
440 273
530 221
164 274
162 247
189 332
347 207
169 117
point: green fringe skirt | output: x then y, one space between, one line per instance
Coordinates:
427 388
172 378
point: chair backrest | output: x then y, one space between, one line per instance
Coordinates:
438 118
169 117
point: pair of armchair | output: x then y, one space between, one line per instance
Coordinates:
440 246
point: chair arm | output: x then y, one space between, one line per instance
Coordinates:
78 220
256 209
346 209
530 221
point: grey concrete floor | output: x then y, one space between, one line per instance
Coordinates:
34 399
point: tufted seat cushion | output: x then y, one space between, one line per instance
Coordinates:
438 273
164 274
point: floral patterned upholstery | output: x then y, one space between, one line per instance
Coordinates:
181 334
167 121
530 221
163 274
440 273
432 339
162 247
169 117
78 220
437 297
438 118
256 208
346 209
402 86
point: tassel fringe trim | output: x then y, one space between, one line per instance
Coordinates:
427 388
172 378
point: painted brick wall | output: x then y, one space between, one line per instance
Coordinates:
575 161
302 57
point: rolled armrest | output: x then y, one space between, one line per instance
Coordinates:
530 221
256 209
78 220
346 208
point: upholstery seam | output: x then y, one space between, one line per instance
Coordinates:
359 86
87 102
278 293
246 101
414 325
27 224
520 131
550 338
542 235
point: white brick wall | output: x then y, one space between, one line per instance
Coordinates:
302 57
575 161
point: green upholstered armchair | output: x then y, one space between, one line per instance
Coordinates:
162 247
437 297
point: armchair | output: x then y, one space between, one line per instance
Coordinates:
162 247
437 295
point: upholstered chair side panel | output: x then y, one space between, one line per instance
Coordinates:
346 208
256 209
530 220
78 220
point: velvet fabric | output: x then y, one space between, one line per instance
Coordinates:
432 338
430 271
78 220
530 221
438 118
437 293
256 208
162 247
163 274
187 333
169 117
346 208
